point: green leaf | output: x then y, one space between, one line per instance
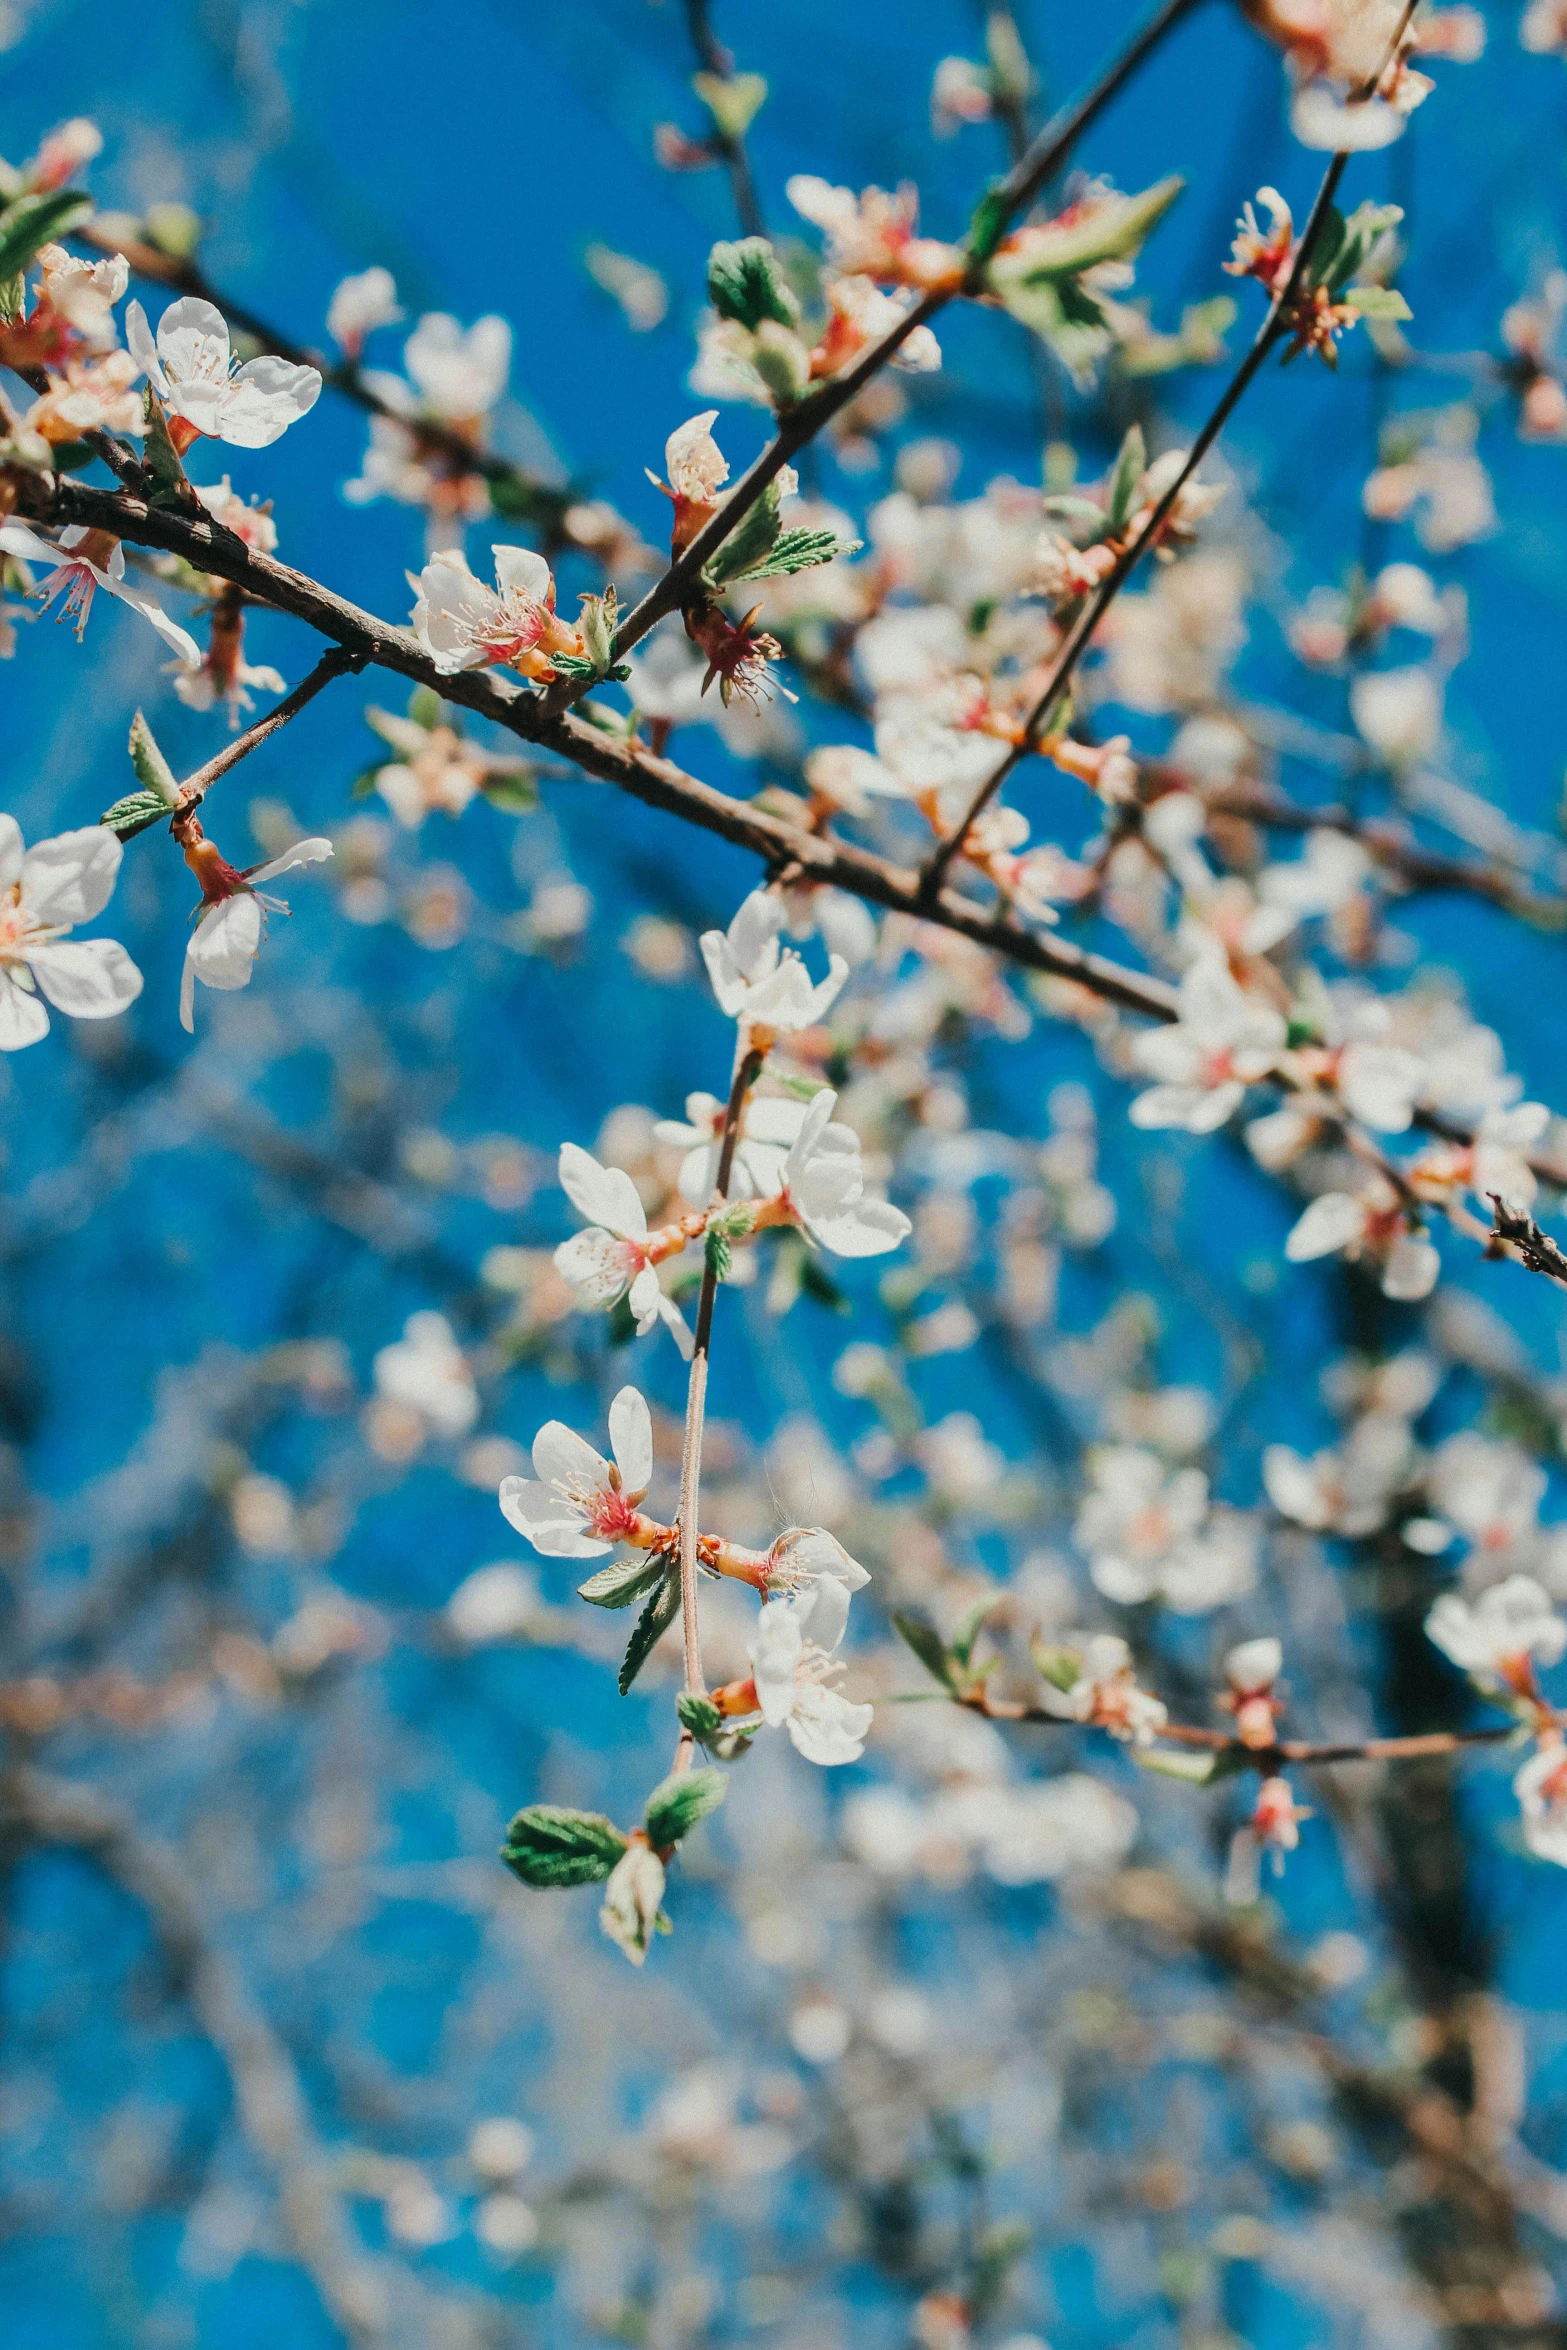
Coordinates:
1130 467
799 550
963 1639
720 1256
700 1716
748 544
1061 1667
927 1645
743 284
37 220
651 1625
623 1580
674 1807
1327 247
1378 302
1361 234
153 771
13 298
1111 230
1069 506
549 1846
733 100
134 814
170 483
989 224
426 709
517 793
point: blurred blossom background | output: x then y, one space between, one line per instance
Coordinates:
962 2042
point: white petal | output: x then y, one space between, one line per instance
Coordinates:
224 943
268 395
142 348
1334 1221
824 1612
23 1019
303 852
605 1195
774 1652
178 640
595 1264
91 978
561 1456
525 571
868 1229
631 1441
10 837
71 878
193 339
542 1518
827 1729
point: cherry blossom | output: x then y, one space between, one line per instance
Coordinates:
44 892
84 561
874 234
1222 1041
358 306
802 1555
1251 1669
192 370
578 1505
426 1372
230 921
1497 1638
463 624
616 1258
823 1188
1375 1224
1541 1789
766 988
1104 1690
1148 1531
792 1672
768 1127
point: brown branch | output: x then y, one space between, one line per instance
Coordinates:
268 2099
715 59
1261 1758
533 500
816 858
337 661
1272 329
807 417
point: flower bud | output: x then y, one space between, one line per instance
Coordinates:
632 1894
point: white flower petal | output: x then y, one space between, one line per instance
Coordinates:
71 878
23 1019
91 978
631 1441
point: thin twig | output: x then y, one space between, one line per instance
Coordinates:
336 661
747 1070
715 59
806 418
1262 1758
629 765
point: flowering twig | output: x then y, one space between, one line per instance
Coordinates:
808 416
1264 1758
535 501
658 782
747 1070
715 59
336 661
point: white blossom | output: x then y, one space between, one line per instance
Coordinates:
611 1260
44 892
1495 1637
633 1892
1222 1041
229 930
768 1127
82 561
577 1504
792 1669
427 1371
359 305
824 1188
192 370
1372 1223
756 981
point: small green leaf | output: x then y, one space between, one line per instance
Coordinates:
1178 1762
153 771
651 1625
963 1639
516 792
989 224
927 1645
623 1580
134 814
71 456
1061 1667
1327 247
743 284
1378 302
674 1808
748 544
1110 230
13 298
170 483
700 1716
549 1846
1130 466
37 220
1069 506
720 1256
733 100
798 550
